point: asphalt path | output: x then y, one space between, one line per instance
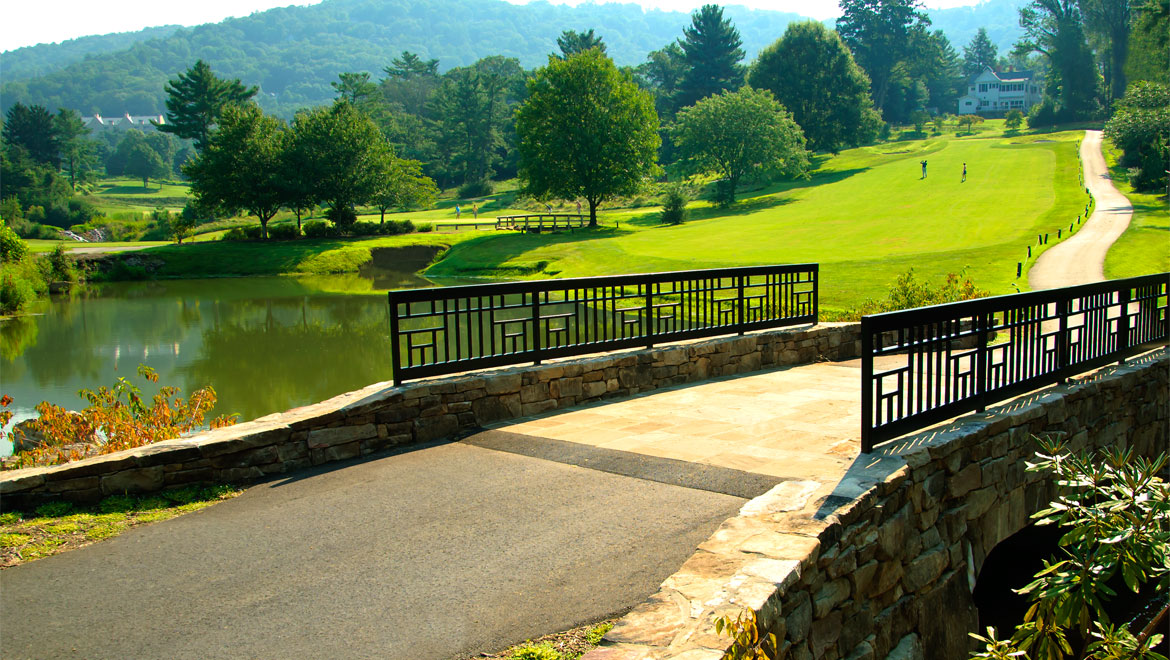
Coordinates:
1081 258
440 552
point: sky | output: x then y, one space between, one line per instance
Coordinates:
49 21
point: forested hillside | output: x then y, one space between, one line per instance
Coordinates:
294 53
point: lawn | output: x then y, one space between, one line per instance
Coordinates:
115 195
1144 248
866 216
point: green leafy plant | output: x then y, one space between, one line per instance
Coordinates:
747 641
544 651
1116 510
674 205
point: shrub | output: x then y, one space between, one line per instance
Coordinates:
61 267
543 651
253 231
12 248
233 234
1013 120
342 216
909 292
674 205
320 229
475 189
15 292
422 228
1044 114
283 232
364 229
723 193
44 232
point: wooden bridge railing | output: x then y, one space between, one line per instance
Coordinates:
541 221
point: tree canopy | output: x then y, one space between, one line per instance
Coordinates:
195 101
572 42
711 53
812 74
1141 128
979 54
880 33
738 134
1053 28
585 131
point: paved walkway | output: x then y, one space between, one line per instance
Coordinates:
1081 258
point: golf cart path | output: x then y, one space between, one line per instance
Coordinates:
1081 258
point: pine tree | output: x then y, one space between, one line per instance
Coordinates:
978 54
196 100
573 42
711 46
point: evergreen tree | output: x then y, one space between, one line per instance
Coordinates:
980 53
355 88
31 129
195 101
78 152
410 66
573 42
662 73
711 50
1053 28
812 74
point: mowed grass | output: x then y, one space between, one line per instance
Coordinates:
866 216
1144 248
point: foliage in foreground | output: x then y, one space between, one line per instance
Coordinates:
117 418
1117 512
909 292
59 526
747 642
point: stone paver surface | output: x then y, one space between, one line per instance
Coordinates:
791 423
1081 259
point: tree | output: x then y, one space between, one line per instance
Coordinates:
812 74
1013 120
736 134
1053 28
344 156
1114 511
979 54
472 106
711 51
1150 48
354 87
585 131
410 66
1140 127
31 129
879 33
78 152
195 101
403 185
1110 21
241 167
662 73
572 42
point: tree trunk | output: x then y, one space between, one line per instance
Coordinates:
592 211
264 228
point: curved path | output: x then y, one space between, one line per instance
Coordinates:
1081 258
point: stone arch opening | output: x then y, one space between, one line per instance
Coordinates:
1012 565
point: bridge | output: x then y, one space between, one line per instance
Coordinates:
704 447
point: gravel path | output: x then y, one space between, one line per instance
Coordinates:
1081 259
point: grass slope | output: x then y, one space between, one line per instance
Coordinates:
865 216
1144 248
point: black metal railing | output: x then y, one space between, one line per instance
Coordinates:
451 329
922 366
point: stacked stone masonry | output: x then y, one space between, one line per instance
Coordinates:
884 566
382 417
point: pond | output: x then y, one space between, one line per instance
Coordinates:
266 344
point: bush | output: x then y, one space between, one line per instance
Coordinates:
543 651
11 247
233 234
909 292
43 232
61 267
422 228
1044 114
723 193
283 232
674 206
475 189
364 229
342 216
15 292
320 229
1013 119
254 232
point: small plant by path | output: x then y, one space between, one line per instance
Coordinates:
566 645
60 526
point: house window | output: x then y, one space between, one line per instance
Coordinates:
983 87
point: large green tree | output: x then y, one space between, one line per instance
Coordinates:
662 74
1150 48
403 185
1109 22
1054 29
978 54
354 87
195 101
241 167
344 156
711 52
78 153
738 134
812 74
572 42
1141 128
881 35
586 131
31 129
472 107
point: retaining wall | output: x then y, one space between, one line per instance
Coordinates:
885 565
383 416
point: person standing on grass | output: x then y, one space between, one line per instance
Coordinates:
924 169
475 209
456 211
964 173
578 207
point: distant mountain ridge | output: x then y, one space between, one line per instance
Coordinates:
293 53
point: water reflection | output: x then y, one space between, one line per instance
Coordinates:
265 344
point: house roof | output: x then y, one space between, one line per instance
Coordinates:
1007 76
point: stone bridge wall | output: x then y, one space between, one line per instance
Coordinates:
884 566
380 416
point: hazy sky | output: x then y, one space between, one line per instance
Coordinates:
26 23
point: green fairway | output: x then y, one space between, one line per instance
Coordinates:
1144 248
866 216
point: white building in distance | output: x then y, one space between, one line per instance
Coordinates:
991 93
97 123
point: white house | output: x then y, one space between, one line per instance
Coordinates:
142 122
991 93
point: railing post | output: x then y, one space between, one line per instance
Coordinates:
866 385
395 349
741 306
1063 345
1123 324
816 276
982 364
649 315
536 326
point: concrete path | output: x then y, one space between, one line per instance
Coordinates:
437 553
1081 258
